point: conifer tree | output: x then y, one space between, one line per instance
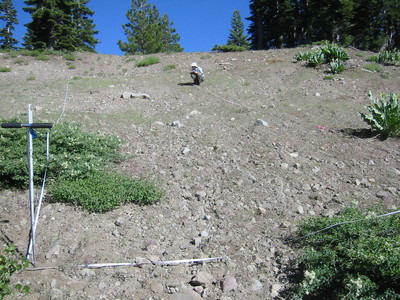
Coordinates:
8 14
237 36
60 25
147 32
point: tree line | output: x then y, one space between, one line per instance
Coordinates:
364 24
68 25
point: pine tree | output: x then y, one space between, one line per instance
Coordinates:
147 32
60 25
8 14
237 36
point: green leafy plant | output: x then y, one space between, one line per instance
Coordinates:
358 259
336 66
384 115
5 69
147 61
386 57
10 263
327 53
74 153
76 170
102 191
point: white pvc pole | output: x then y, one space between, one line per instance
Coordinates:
31 187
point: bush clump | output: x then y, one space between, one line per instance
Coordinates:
147 61
76 168
387 57
384 115
10 263
328 53
102 191
358 259
229 48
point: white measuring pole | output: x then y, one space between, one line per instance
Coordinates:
31 188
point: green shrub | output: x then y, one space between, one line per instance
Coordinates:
386 57
69 57
10 263
74 153
229 48
327 53
102 191
76 170
147 61
356 260
336 66
5 69
384 115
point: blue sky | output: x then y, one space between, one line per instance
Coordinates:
200 24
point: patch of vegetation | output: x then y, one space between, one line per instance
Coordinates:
20 61
384 115
229 48
386 57
103 191
169 67
327 53
10 263
373 68
354 260
31 78
147 61
42 57
329 77
69 57
5 69
76 170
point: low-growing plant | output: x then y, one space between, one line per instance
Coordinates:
42 57
358 259
386 57
74 153
384 114
327 53
102 191
69 57
5 69
31 78
20 61
76 169
10 263
336 66
147 61
169 67
373 68
229 48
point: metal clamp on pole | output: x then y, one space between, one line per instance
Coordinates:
28 125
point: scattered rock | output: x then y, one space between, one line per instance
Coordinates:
229 284
203 279
260 122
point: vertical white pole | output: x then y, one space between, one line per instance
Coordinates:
31 188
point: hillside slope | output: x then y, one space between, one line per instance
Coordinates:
235 187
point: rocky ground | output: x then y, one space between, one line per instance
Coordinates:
263 144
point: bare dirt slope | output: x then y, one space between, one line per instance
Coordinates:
261 145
